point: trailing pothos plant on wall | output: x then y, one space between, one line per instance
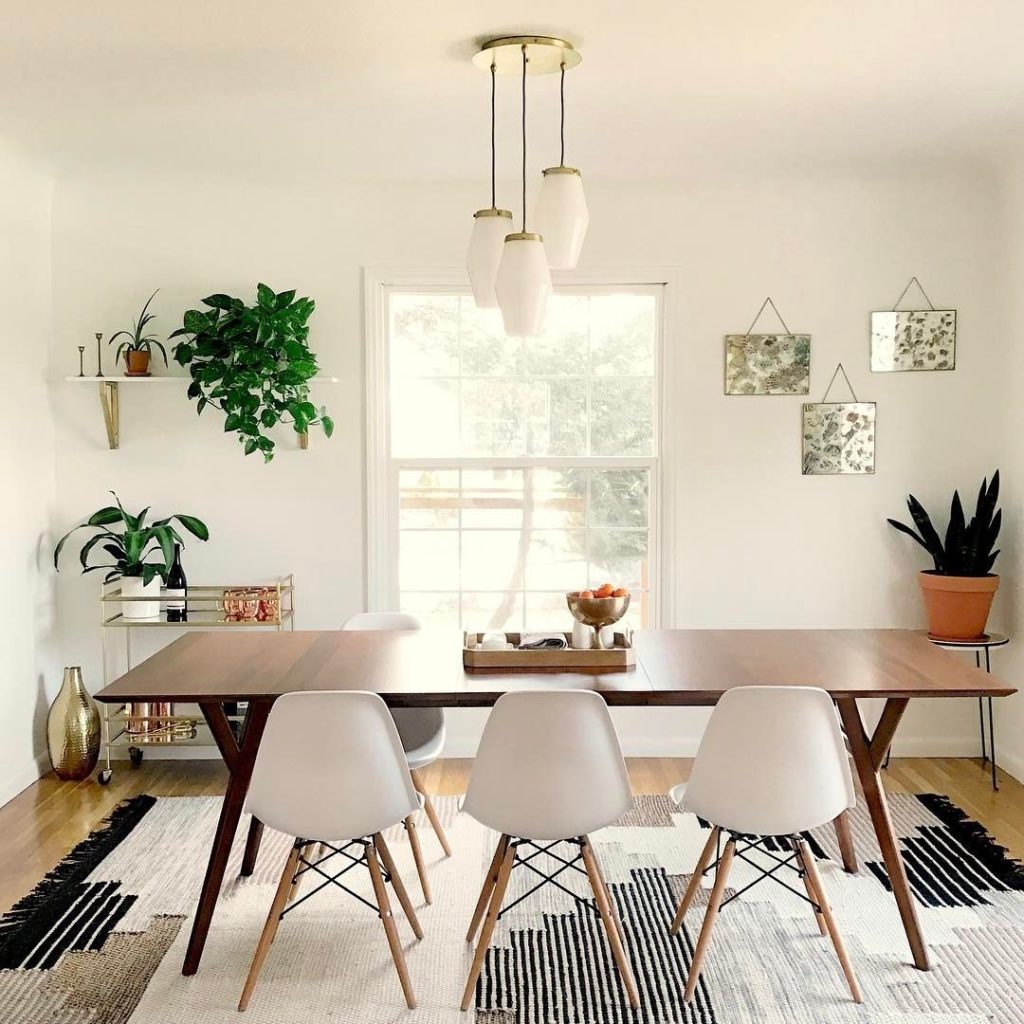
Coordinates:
254 364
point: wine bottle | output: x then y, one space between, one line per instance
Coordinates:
176 590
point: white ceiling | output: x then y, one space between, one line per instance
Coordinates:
385 89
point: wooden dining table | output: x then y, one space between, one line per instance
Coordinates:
686 667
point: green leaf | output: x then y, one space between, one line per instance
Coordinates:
268 417
265 297
233 422
284 299
105 516
250 446
194 526
219 301
328 425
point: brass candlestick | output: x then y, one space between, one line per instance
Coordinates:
81 357
99 354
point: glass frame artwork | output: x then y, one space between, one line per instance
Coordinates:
767 364
819 457
908 340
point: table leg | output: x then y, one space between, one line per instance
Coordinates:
240 756
868 754
844 837
252 846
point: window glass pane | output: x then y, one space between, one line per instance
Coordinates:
492 498
428 497
618 557
432 609
424 335
491 560
562 348
424 417
492 417
621 417
556 560
619 497
622 335
548 612
559 498
483 612
428 560
486 350
557 417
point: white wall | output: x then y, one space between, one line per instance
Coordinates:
756 543
29 669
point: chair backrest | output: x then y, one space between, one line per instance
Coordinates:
772 762
381 620
416 726
330 766
548 766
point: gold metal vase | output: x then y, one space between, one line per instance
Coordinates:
73 728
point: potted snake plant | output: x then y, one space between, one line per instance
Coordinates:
140 555
137 349
959 589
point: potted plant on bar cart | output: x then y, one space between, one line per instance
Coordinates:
139 555
958 591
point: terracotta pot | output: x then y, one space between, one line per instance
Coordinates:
138 364
957 606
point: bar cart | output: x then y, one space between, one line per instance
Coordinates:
267 606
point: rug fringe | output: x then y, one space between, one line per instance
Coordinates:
976 838
73 868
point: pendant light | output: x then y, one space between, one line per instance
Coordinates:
488 238
562 215
523 284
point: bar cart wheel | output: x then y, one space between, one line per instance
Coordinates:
105 776
135 753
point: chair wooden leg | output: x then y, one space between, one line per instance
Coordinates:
270 927
496 897
296 885
390 929
608 920
417 856
611 903
694 885
435 821
812 895
397 884
488 887
807 858
721 877
844 836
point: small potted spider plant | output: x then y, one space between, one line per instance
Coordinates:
958 591
137 348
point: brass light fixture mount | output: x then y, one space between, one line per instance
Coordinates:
545 55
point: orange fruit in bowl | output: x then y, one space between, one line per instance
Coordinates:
605 590
621 592
586 595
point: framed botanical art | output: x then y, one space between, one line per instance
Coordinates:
838 437
767 364
913 339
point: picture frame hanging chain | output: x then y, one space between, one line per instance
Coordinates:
920 288
768 302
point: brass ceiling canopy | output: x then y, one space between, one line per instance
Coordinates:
545 55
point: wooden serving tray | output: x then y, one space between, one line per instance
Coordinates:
621 657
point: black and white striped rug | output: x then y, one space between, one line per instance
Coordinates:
101 940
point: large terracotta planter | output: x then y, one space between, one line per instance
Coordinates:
957 606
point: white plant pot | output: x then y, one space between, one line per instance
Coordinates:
132 586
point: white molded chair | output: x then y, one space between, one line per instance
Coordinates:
772 763
548 769
331 772
422 731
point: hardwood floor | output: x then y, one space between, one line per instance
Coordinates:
40 825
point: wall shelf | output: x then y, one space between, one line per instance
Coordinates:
110 399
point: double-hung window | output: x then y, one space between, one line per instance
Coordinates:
505 471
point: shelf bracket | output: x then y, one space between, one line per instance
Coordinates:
303 441
110 402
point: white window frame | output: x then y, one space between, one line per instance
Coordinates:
381 475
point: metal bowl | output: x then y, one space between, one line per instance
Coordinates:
597 612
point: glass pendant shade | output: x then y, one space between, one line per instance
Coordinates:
562 216
485 246
523 285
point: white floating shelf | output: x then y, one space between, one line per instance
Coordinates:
112 407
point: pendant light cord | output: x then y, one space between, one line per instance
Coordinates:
561 127
524 139
494 203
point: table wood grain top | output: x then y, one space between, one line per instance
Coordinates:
674 667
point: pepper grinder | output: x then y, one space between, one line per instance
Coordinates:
99 354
